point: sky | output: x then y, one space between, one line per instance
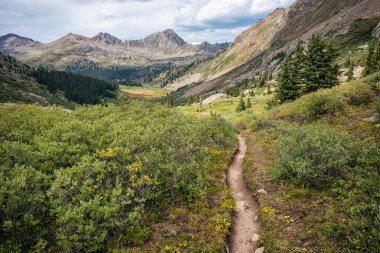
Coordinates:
194 20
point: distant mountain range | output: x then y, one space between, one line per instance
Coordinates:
107 50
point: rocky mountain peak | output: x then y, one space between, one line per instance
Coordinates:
11 43
164 38
107 39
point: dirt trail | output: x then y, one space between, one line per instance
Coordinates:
246 226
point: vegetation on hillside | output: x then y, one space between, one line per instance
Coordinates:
18 86
131 76
319 161
78 88
99 178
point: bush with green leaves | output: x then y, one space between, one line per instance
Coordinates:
98 174
321 104
314 156
24 209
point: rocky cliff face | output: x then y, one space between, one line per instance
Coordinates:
376 31
107 39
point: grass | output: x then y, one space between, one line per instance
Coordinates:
143 93
226 107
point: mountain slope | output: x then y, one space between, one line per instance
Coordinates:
18 85
259 48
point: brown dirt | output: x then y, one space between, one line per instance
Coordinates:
245 222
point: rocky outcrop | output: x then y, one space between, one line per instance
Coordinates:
107 39
376 31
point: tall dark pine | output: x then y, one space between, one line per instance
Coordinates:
291 75
320 69
372 60
288 89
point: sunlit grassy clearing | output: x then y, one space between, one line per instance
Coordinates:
150 93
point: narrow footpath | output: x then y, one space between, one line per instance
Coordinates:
246 226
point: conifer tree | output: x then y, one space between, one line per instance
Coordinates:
373 56
291 76
249 105
350 73
288 89
320 69
241 106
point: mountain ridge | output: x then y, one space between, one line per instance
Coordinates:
257 49
106 49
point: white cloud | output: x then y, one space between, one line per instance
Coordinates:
194 20
263 6
223 9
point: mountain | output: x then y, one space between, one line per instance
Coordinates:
12 43
164 40
106 56
260 47
107 39
107 52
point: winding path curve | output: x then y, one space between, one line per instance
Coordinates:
246 227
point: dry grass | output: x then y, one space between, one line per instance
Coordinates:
143 93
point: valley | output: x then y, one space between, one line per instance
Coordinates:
270 143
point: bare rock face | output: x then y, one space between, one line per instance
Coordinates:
376 31
160 40
107 39
12 43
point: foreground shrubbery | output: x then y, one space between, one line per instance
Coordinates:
316 156
92 179
347 169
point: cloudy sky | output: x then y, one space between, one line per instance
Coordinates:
194 20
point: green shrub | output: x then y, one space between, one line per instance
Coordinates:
109 172
314 156
96 202
358 93
24 208
322 103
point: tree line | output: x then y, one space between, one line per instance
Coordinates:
78 88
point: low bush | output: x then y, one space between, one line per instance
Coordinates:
321 104
314 156
92 179
357 93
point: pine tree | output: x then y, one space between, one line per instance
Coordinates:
298 63
350 73
249 105
320 69
373 56
288 88
291 76
241 106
